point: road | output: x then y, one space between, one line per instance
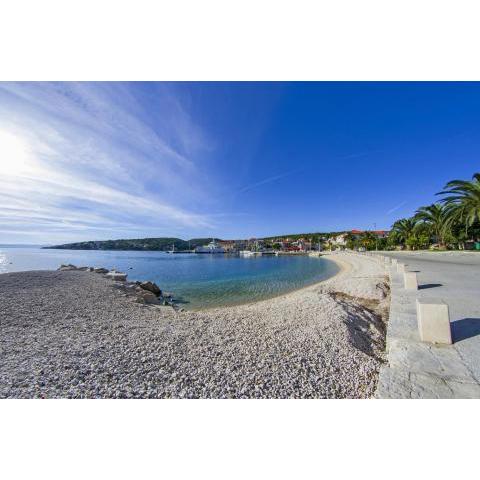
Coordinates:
453 277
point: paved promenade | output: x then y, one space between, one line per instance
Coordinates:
422 370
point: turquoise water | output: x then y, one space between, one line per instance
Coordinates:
199 281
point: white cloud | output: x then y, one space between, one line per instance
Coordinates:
99 165
265 181
397 207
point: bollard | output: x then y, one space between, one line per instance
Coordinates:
400 268
410 281
117 276
433 321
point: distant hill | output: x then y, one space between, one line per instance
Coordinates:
166 243
161 244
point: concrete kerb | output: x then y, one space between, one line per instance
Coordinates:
433 321
117 276
410 280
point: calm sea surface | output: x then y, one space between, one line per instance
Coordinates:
200 281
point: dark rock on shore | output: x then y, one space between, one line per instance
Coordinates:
145 292
144 296
65 268
100 270
151 287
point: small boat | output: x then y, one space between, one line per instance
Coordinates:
250 253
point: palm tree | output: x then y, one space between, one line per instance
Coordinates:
368 240
463 200
435 217
404 228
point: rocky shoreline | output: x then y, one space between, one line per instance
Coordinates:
146 292
75 333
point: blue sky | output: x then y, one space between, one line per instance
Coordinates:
82 161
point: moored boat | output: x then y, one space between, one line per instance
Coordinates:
212 247
249 253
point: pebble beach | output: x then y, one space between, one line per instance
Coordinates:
78 334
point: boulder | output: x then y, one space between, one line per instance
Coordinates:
100 270
67 267
151 287
147 297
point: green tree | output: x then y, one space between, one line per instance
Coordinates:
382 244
393 239
417 240
462 200
352 244
436 219
368 240
351 241
403 229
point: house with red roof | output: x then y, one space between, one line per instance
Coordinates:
378 233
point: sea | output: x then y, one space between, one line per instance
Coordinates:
197 281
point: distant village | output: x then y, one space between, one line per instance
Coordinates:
353 239
287 244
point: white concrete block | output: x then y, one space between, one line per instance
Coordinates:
117 276
400 267
433 321
394 262
410 280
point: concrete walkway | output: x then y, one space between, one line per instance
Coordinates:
423 370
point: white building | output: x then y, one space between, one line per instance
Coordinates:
340 240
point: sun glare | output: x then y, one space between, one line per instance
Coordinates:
14 154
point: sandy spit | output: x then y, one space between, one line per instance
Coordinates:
76 334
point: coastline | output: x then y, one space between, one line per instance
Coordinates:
343 267
197 285
320 341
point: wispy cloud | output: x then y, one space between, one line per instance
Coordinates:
397 207
265 181
358 154
354 155
275 178
96 163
